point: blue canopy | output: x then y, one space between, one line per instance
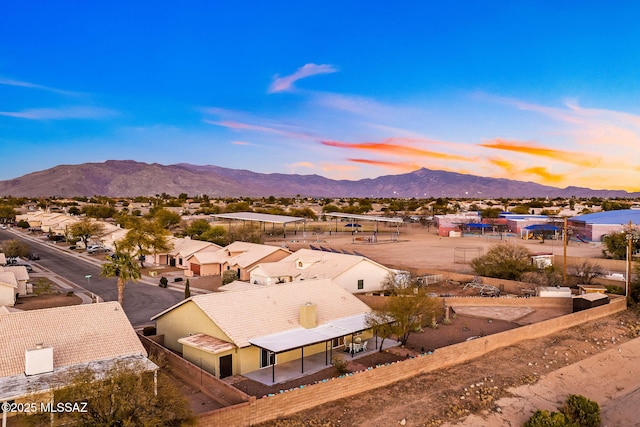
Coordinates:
542 227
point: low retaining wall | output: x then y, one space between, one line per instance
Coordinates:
291 401
534 302
219 391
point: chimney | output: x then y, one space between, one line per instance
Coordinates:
38 360
308 315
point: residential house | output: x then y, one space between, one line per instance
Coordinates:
42 348
22 277
183 249
56 223
8 288
354 273
238 256
235 332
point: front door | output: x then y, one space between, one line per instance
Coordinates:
226 366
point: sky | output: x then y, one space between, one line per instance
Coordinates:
540 91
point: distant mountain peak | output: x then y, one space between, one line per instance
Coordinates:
129 178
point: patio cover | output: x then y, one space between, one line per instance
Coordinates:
259 217
301 337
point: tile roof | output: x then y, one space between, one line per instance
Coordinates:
315 264
251 313
8 278
186 247
20 271
239 253
78 334
206 343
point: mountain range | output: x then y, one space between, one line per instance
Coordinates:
128 178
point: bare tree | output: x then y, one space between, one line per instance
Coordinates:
587 271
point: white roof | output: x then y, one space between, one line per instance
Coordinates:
259 217
300 337
249 314
78 334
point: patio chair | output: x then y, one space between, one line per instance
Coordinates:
363 348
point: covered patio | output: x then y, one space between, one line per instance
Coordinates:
336 336
288 371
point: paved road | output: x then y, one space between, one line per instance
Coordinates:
141 301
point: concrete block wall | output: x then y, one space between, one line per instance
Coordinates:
219 391
295 400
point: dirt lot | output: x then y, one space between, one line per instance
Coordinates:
47 301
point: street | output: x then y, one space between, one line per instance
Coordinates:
141 301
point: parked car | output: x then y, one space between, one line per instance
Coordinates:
34 257
98 250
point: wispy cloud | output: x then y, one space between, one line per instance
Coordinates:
283 84
19 83
242 143
402 166
544 173
396 149
66 113
575 158
256 128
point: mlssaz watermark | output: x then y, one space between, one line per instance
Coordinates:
48 407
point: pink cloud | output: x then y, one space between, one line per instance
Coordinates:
283 84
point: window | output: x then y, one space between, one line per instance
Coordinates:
361 284
337 342
267 358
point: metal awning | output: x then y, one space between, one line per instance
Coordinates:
365 217
259 217
301 337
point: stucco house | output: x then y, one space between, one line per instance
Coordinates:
21 275
354 273
8 288
41 347
238 256
182 249
235 332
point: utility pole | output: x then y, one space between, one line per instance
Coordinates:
629 258
564 263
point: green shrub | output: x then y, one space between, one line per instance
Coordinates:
164 282
583 411
577 411
549 419
148 331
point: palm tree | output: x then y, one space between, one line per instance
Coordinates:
122 266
